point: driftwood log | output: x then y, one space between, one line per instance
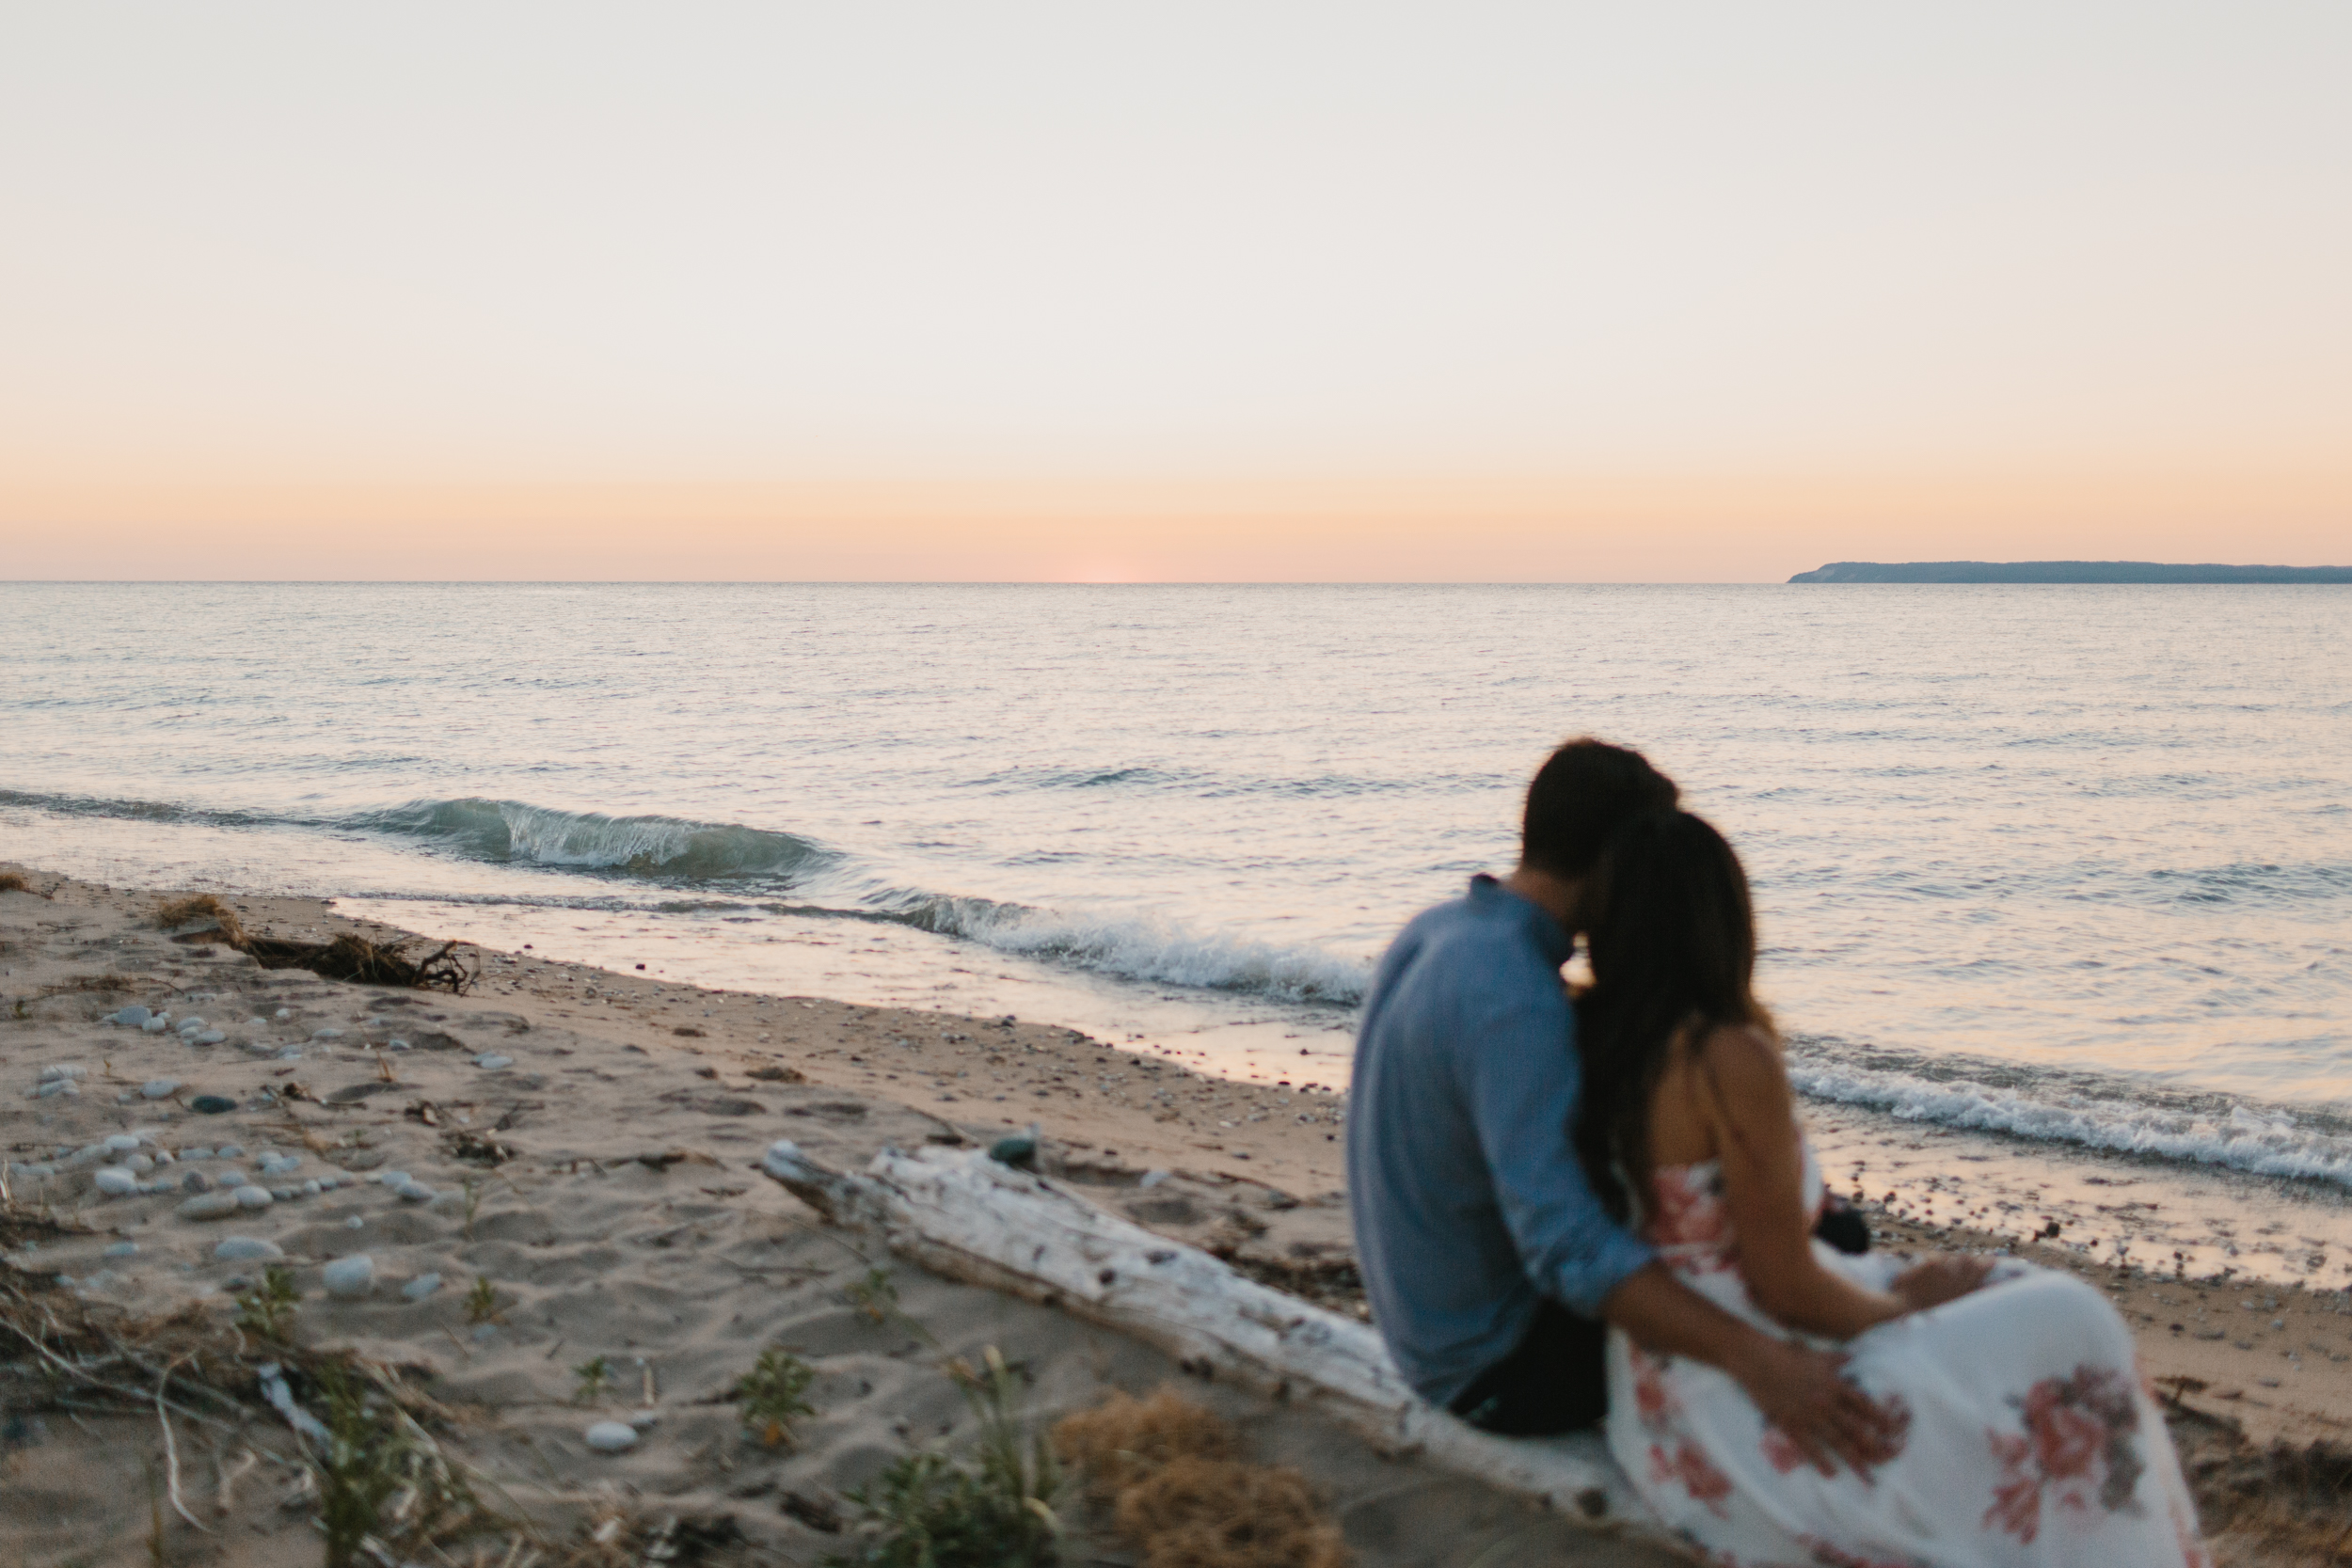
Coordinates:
962 1214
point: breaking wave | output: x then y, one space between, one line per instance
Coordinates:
2199 1129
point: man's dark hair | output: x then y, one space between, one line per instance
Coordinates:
1584 792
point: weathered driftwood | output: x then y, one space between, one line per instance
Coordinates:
962 1214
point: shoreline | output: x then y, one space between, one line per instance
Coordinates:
1251 1171
1113 1114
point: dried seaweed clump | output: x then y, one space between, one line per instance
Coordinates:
1218 1513
1123 1439
1168 1467
369 963
12 882
202 906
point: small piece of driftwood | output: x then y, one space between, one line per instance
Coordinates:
962 1214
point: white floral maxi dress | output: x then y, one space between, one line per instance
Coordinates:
2028 1435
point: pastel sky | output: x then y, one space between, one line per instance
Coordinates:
1483 290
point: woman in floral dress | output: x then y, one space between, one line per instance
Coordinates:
2027 1434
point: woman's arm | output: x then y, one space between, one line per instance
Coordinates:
1744 1088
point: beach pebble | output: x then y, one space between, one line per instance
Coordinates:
290 1054
284 1195
421 1286
1153 1179
354 1223
272 1162
192 1025
155 1026
63 1071
490 1061
392 1177
124 1143
252 1197
116 1182
312 1189
210 1036
231 1151
612 1436
416 1192
57 1088
133 1018
256 1022
159 1088
282 1014
395 1045
246 1249
349 1276
138 1164
196 1181
329 1033
124 1249
212 1104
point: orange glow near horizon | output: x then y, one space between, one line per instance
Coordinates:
1222 292
1640 528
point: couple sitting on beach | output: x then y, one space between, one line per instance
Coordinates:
1579 1208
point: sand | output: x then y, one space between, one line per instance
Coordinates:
589 1136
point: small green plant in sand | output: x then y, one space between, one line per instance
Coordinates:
268 1308
595 1376
994 1511
360 1466
772 1393
875 1297
482 1302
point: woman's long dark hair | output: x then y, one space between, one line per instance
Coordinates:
1673 945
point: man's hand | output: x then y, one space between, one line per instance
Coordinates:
1806 1394
1943 1278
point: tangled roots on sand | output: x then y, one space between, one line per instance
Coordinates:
349 956
1168 1467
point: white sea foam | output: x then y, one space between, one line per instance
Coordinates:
2260 1142
1156 951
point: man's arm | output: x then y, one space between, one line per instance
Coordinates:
1524 1080
1804 1392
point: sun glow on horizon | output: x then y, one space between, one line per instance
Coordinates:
1062 293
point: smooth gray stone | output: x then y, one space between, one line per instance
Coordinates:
490 1061
122 1143
421 1286
210 1036
196 1181
252 1197
246 1249
208 1206
349 1276
117 1182
124 1249
190 1025
611 1436
155 1026
160 1088
133 1017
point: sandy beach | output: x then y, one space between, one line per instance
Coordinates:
579 1147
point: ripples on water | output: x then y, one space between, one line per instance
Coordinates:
2069 862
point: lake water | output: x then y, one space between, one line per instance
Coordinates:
2064 864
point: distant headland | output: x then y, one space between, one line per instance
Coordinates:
2064 571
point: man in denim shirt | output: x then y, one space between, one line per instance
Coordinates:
1490 1265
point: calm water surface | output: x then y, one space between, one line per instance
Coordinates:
2069 863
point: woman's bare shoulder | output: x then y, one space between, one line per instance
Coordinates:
1744 1056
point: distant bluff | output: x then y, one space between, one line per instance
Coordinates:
2064 571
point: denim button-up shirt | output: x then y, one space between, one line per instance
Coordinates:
1469 1203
